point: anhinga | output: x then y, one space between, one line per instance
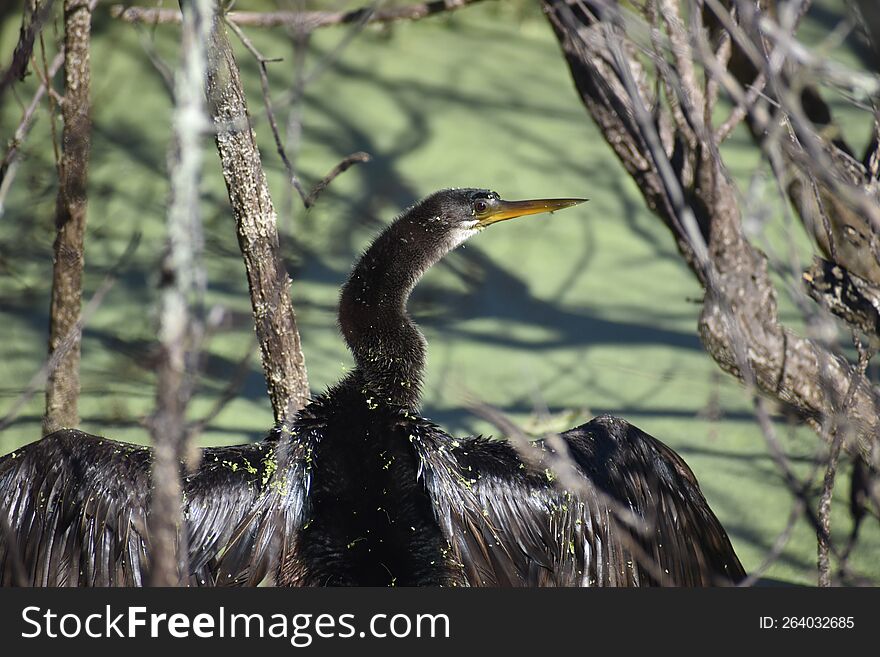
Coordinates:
359 489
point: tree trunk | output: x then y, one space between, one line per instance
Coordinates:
671 152
65 332
255 221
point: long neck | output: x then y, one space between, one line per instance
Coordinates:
388 348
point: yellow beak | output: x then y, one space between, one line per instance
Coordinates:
503 210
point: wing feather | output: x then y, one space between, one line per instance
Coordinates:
77 509
509 524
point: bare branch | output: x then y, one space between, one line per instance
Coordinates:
837 434
776 549
850 297
10 158
308 20
180 288
39 379
682 52
267 102
34 16
798 489
739 324
256 224
308 198
343 166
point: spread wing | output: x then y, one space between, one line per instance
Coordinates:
636 518
73 508
681 534
74 511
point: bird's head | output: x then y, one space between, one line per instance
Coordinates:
387 346
457 214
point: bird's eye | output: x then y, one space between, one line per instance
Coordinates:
480 206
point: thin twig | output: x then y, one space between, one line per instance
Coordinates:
7 168
775 551
357 26
38 380
163 69
267 103
837 437
308 198
300 39
229 393
566 477
34 17
341 167
53 101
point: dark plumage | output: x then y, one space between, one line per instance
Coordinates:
364 491
75 510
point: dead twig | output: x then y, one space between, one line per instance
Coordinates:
308 198
838 434
38 380
555 457
181 290
341 167
229 393
35 15
10 158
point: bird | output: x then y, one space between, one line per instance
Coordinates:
358 489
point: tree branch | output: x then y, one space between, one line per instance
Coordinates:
837 434
256 225
35 15
307 20
308 198
180 289
10 158
739 323
38 380
344 165
852 298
